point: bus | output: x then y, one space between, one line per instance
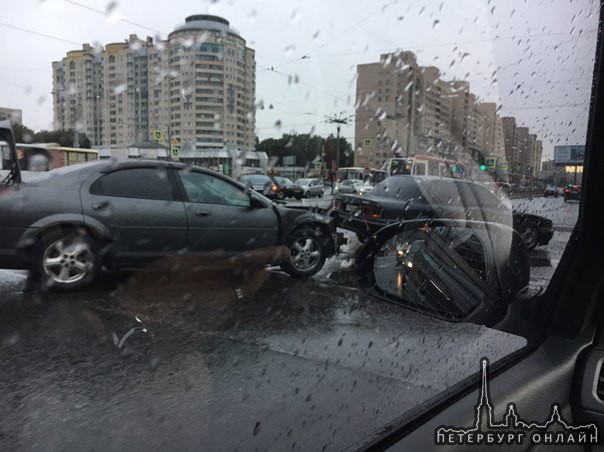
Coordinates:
371 175
41 157
425 165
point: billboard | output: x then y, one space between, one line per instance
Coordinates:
569 155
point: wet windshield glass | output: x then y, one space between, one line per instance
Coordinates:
166 284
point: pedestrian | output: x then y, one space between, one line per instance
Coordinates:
333 182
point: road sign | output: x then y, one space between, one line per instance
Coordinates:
490 162
289 160
175 142
367 142
175 152
318 165
158 135
569 155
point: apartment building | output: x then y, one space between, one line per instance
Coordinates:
197 87
403 109
386 99
466 121
492 139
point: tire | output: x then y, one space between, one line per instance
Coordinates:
307 194
529 234
280 195
65 259
321 194
299 197
307 253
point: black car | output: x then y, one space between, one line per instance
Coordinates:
272 187
74 220
406 197
572 192
287 189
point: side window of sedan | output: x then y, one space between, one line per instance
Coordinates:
139 183
208 189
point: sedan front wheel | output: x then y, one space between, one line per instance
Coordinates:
65 259
307 253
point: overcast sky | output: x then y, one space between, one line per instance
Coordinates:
534 58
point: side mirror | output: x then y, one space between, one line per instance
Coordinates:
255 203
460 273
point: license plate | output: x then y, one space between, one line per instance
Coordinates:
351 208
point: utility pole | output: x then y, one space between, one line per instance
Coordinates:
340 120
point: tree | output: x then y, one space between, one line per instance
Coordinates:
23 134
304 147
62 137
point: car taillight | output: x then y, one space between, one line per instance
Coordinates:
371 212
566 190
274 188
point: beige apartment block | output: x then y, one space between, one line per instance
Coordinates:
196 89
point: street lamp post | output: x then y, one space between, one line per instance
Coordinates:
339 120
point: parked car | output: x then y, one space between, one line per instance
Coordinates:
550 190
354 186
406 197
272 187
287 189
311 187
572 192
66 225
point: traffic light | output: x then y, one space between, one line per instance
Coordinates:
482 163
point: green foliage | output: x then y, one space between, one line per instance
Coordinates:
305 148
62 137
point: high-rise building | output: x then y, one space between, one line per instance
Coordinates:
197 88
492 140
433 123
385 108
466 121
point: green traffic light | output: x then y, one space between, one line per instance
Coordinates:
483 167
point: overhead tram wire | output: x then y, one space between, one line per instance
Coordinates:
272 69
103 13
37 33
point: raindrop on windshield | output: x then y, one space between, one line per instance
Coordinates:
295 17
251 17
435 24
289 49
111 12
278 125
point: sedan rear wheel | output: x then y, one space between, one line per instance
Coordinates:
280 195
307 194
65 259
307 253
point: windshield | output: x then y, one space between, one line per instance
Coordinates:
437 150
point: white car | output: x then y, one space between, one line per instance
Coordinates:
354 186
311 187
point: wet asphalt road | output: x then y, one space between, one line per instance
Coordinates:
280 364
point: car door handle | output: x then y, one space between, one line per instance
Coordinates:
100 205
202 213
